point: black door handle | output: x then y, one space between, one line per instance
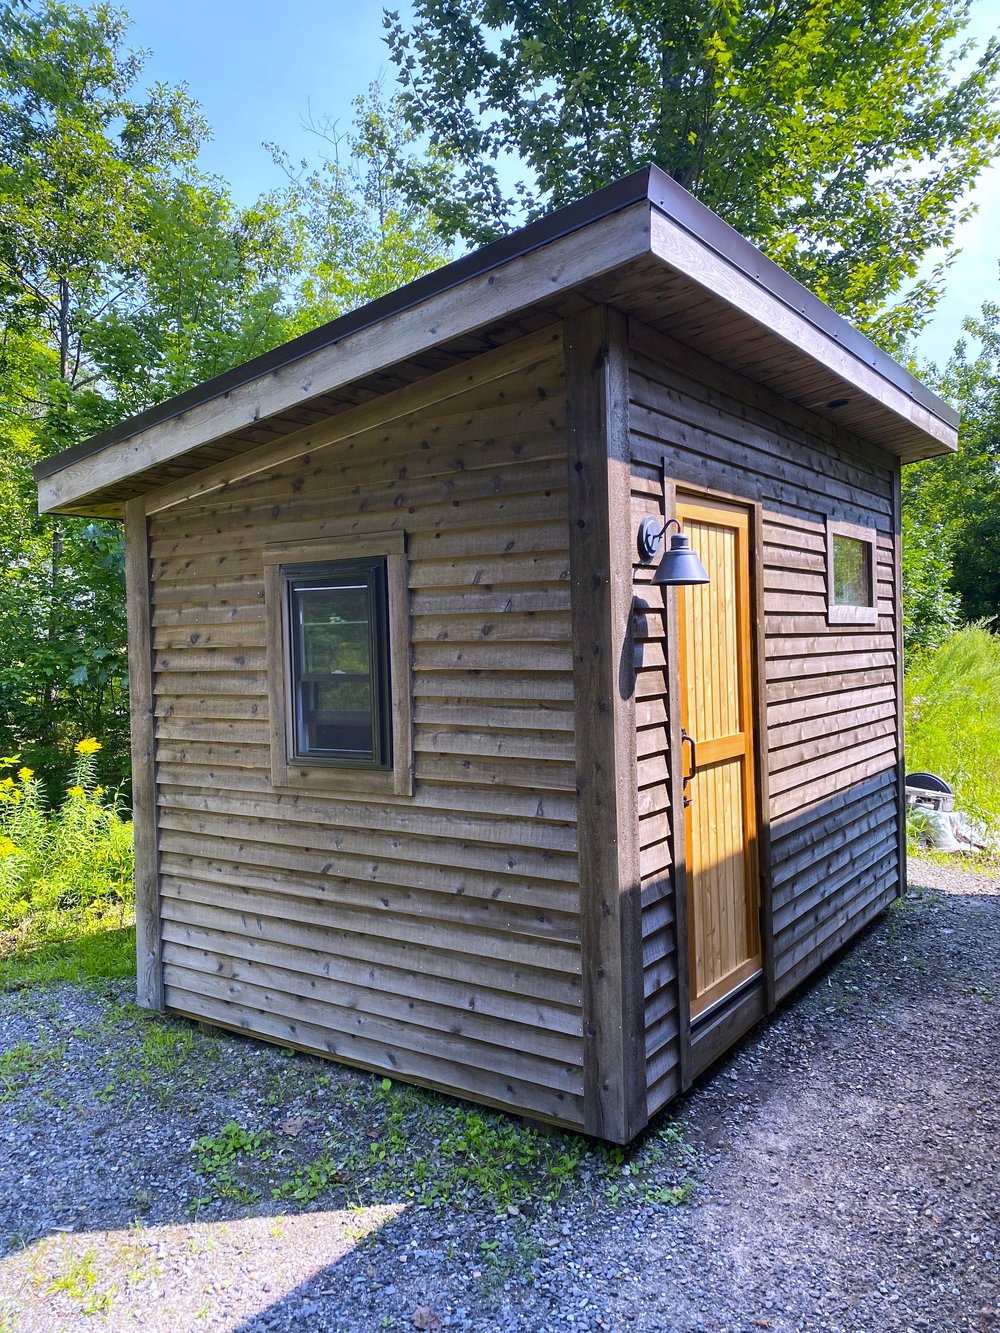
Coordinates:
694 762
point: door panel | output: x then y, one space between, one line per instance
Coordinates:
717 714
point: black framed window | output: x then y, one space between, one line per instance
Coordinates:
338 638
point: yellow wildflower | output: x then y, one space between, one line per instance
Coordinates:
25 773
77 791
88 746
7 783
8 848
98 791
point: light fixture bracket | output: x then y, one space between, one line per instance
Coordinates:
680 566
650 535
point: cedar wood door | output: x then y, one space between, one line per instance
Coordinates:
717 718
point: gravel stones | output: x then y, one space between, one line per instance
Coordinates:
843 1158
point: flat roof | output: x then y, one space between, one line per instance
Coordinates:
649 185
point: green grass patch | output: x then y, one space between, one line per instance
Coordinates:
166 1058
409 1145
953 721
66 887
21 1064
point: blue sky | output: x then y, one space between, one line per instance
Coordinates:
259 70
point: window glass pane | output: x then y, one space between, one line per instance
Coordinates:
852 572
338 628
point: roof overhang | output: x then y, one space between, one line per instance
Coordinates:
643 244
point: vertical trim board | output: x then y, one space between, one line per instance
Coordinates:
148 937
897 602
604 689
762 775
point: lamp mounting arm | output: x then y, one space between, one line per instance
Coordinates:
651 534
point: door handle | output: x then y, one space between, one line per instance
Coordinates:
694 762
694 753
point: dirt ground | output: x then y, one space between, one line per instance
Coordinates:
837 1171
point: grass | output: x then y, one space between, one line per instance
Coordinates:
953 722
21 1065
88 1281
406 1145
66 892
66 914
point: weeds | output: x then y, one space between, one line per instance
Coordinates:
952 722
78 1279
66 894
20 1063
218 1157
414 1145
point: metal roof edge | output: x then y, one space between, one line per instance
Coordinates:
612 199
650 183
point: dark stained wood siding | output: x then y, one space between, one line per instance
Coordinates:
434 937
831 692
653 717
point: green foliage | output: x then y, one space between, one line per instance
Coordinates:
952 719
78 1278
931 610
20 1064
126 276
66 890
80 158
951 505
918 825
840 136
423 1148
355 233
218 1156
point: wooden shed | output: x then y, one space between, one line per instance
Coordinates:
411 717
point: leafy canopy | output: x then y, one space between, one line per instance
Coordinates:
126 276
955 501
839 135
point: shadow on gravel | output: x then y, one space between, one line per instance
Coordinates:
841 1158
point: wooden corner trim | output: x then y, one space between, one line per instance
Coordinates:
897 607
601 553
148 933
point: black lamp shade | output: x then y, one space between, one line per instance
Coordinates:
680 565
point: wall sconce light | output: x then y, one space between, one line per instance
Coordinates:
680 565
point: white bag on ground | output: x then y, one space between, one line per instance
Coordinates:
939 832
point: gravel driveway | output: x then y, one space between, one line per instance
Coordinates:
836 1172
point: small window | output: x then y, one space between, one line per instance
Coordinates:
339 632
850 574
338 664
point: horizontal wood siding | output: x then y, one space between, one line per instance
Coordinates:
432 937
652 716
831 691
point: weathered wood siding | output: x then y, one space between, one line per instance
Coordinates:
434 937
832 692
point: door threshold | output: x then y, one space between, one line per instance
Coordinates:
730 1018
730 997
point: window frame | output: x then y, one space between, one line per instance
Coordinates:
284 562
838 613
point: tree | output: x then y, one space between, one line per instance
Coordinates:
358 234
80 156
126 276
841 136
956 500
931 607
